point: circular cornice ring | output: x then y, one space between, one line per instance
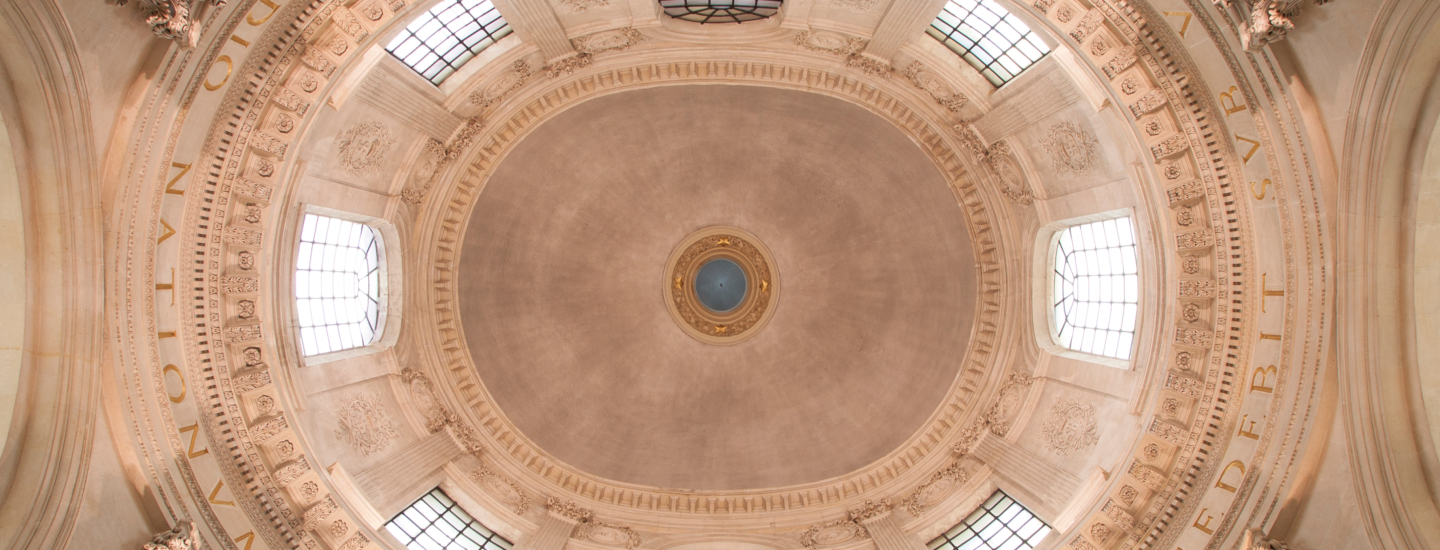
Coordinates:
745 320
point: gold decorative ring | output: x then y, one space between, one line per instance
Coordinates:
761 293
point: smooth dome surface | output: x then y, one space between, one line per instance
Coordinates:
567 324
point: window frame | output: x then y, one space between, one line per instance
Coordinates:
1013 17
732 20
400 34
1046 333
983 507
455 503
387 325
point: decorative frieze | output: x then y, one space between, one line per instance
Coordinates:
288 473
1171 433
1093 20
1122 60
262 431
319 512
1195 239
1204 288
1193 337
1117 513
242 333
1170 146
1147 476
1187 191
258 191
231 284
1183 385
1152 100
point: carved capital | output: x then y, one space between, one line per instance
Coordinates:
181 537
172 19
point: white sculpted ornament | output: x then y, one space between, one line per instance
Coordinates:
181 537
363 147
1071 149
363 424
1071 426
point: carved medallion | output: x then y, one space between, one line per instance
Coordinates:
363 147
503 489
1071 149
832 533
1071 426
829 42
612 40
760 282
363 424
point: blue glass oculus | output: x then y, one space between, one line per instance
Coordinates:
720 285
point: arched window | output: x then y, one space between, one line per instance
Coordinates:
999 523
720 11
337 285
435 522
992 40
1096 288
439 41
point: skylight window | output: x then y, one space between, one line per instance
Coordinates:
337 285
1096 288
991 39
720 11
998 524
439 41
436 523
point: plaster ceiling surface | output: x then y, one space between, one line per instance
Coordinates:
562 296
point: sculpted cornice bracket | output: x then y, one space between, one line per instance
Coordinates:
1264 21
172 19
567 510
871 510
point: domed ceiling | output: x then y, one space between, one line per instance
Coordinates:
563 287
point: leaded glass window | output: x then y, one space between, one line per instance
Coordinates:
436 523
720 11
1096 288
439 41
999 523
337 285
990 38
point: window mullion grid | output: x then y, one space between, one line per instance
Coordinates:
992 33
